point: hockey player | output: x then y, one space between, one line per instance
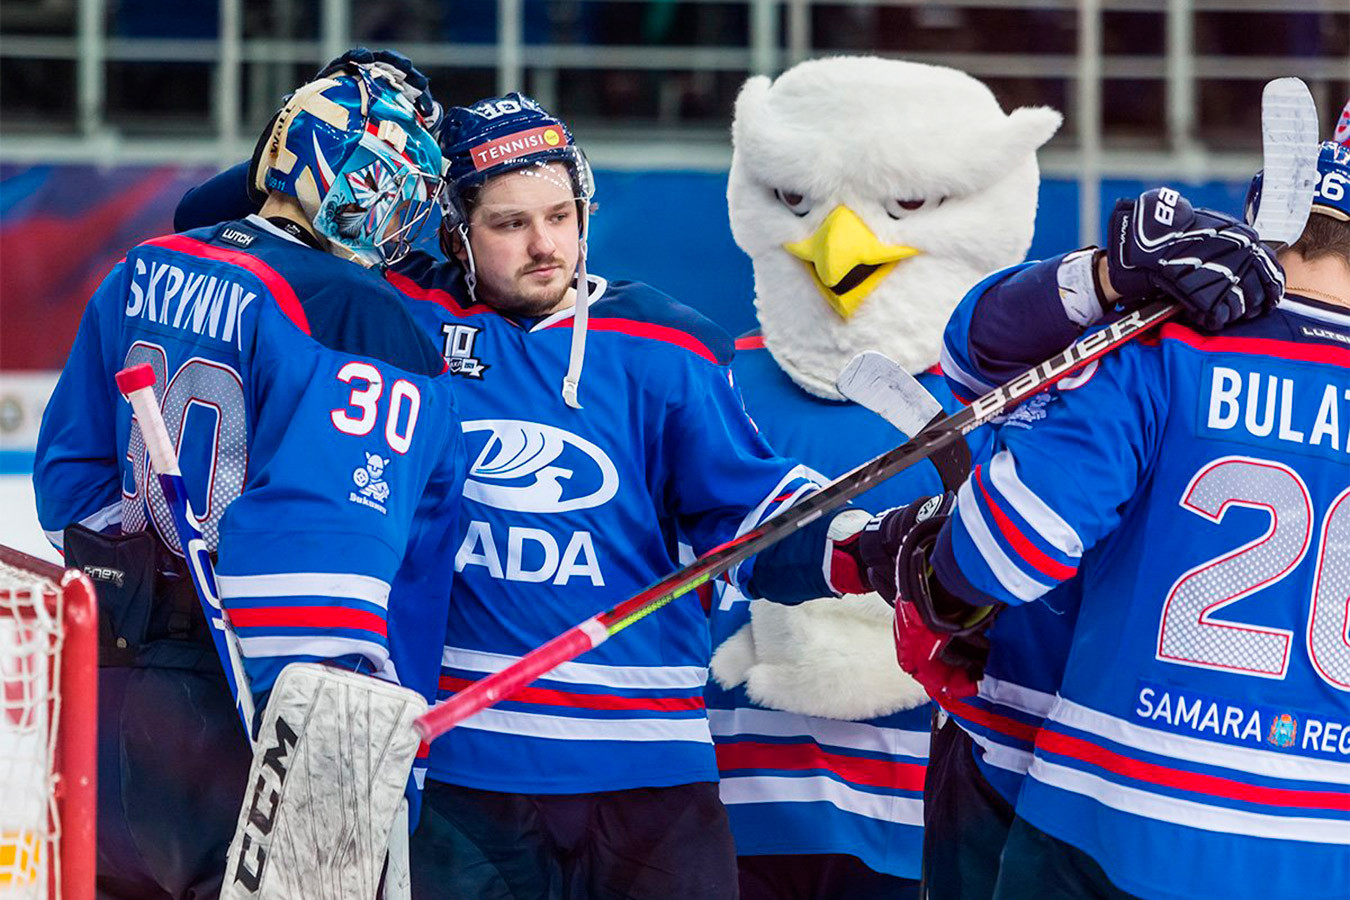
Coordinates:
317 431
821 739
1188 753
599 780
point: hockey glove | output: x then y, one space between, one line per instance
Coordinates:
939 638
863 550
411 83
1212 264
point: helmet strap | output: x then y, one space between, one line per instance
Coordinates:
576 356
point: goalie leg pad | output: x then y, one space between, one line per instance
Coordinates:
329 771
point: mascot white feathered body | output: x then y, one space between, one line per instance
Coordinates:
870 195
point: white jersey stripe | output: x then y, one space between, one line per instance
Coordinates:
306 584
888 808
1014 580
563 728
952 369
1016 696
1268 763
1048 523
1001 756
672 678
1188 812
748 723
311 645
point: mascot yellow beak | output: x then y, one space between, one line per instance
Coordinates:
846 260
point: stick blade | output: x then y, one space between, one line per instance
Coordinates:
877 382
1289 149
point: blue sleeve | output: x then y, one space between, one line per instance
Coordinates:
1006 324
76 471
726 481
343 449
222 198
1054 482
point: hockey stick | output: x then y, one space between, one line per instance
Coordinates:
881 385
1284 114
137 384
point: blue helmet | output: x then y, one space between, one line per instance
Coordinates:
1331 197
502 134
352 150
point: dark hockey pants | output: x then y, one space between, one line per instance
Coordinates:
819 876
1037 866
172 764
644 843
965 821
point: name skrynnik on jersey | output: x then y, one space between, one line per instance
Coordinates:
568 511
989 339
1198 488
317 435
801 784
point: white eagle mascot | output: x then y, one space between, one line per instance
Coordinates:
870 195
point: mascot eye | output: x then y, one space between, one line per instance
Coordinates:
896 209
796 203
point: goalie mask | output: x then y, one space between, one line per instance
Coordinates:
514 134
351 150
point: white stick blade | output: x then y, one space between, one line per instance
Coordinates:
1289 148
877 382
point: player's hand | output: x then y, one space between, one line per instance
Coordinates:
863 549
400 71
1213 265
939 638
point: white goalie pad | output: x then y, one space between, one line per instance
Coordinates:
833 658
329 771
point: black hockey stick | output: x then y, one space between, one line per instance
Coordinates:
1290 139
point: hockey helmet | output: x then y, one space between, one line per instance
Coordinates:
350 148
1331 197
505 134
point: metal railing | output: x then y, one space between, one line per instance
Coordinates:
778 33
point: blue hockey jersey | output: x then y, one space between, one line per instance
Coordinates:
799 784
568 511
1198 489
1004 325
317 433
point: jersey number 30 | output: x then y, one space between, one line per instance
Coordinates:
1189 633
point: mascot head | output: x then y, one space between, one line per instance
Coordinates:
870 195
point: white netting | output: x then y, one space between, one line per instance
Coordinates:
30 647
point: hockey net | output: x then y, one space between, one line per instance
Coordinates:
48 716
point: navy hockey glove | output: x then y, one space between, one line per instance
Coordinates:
873 548
411 83
1212 264
939 638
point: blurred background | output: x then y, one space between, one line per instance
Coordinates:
111 109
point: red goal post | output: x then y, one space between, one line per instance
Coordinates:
48 719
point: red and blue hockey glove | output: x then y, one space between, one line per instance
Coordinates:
939 638
1212 264
409 80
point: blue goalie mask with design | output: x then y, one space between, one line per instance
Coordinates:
353 152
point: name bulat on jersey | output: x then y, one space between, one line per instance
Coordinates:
1301 412
532 556
206 305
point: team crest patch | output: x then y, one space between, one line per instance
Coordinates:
1029 413
237 237
1283 730
458 351
372 490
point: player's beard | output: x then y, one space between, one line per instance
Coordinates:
524 299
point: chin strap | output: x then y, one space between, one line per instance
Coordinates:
576 356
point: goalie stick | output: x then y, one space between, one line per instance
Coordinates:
1289 137
137 384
